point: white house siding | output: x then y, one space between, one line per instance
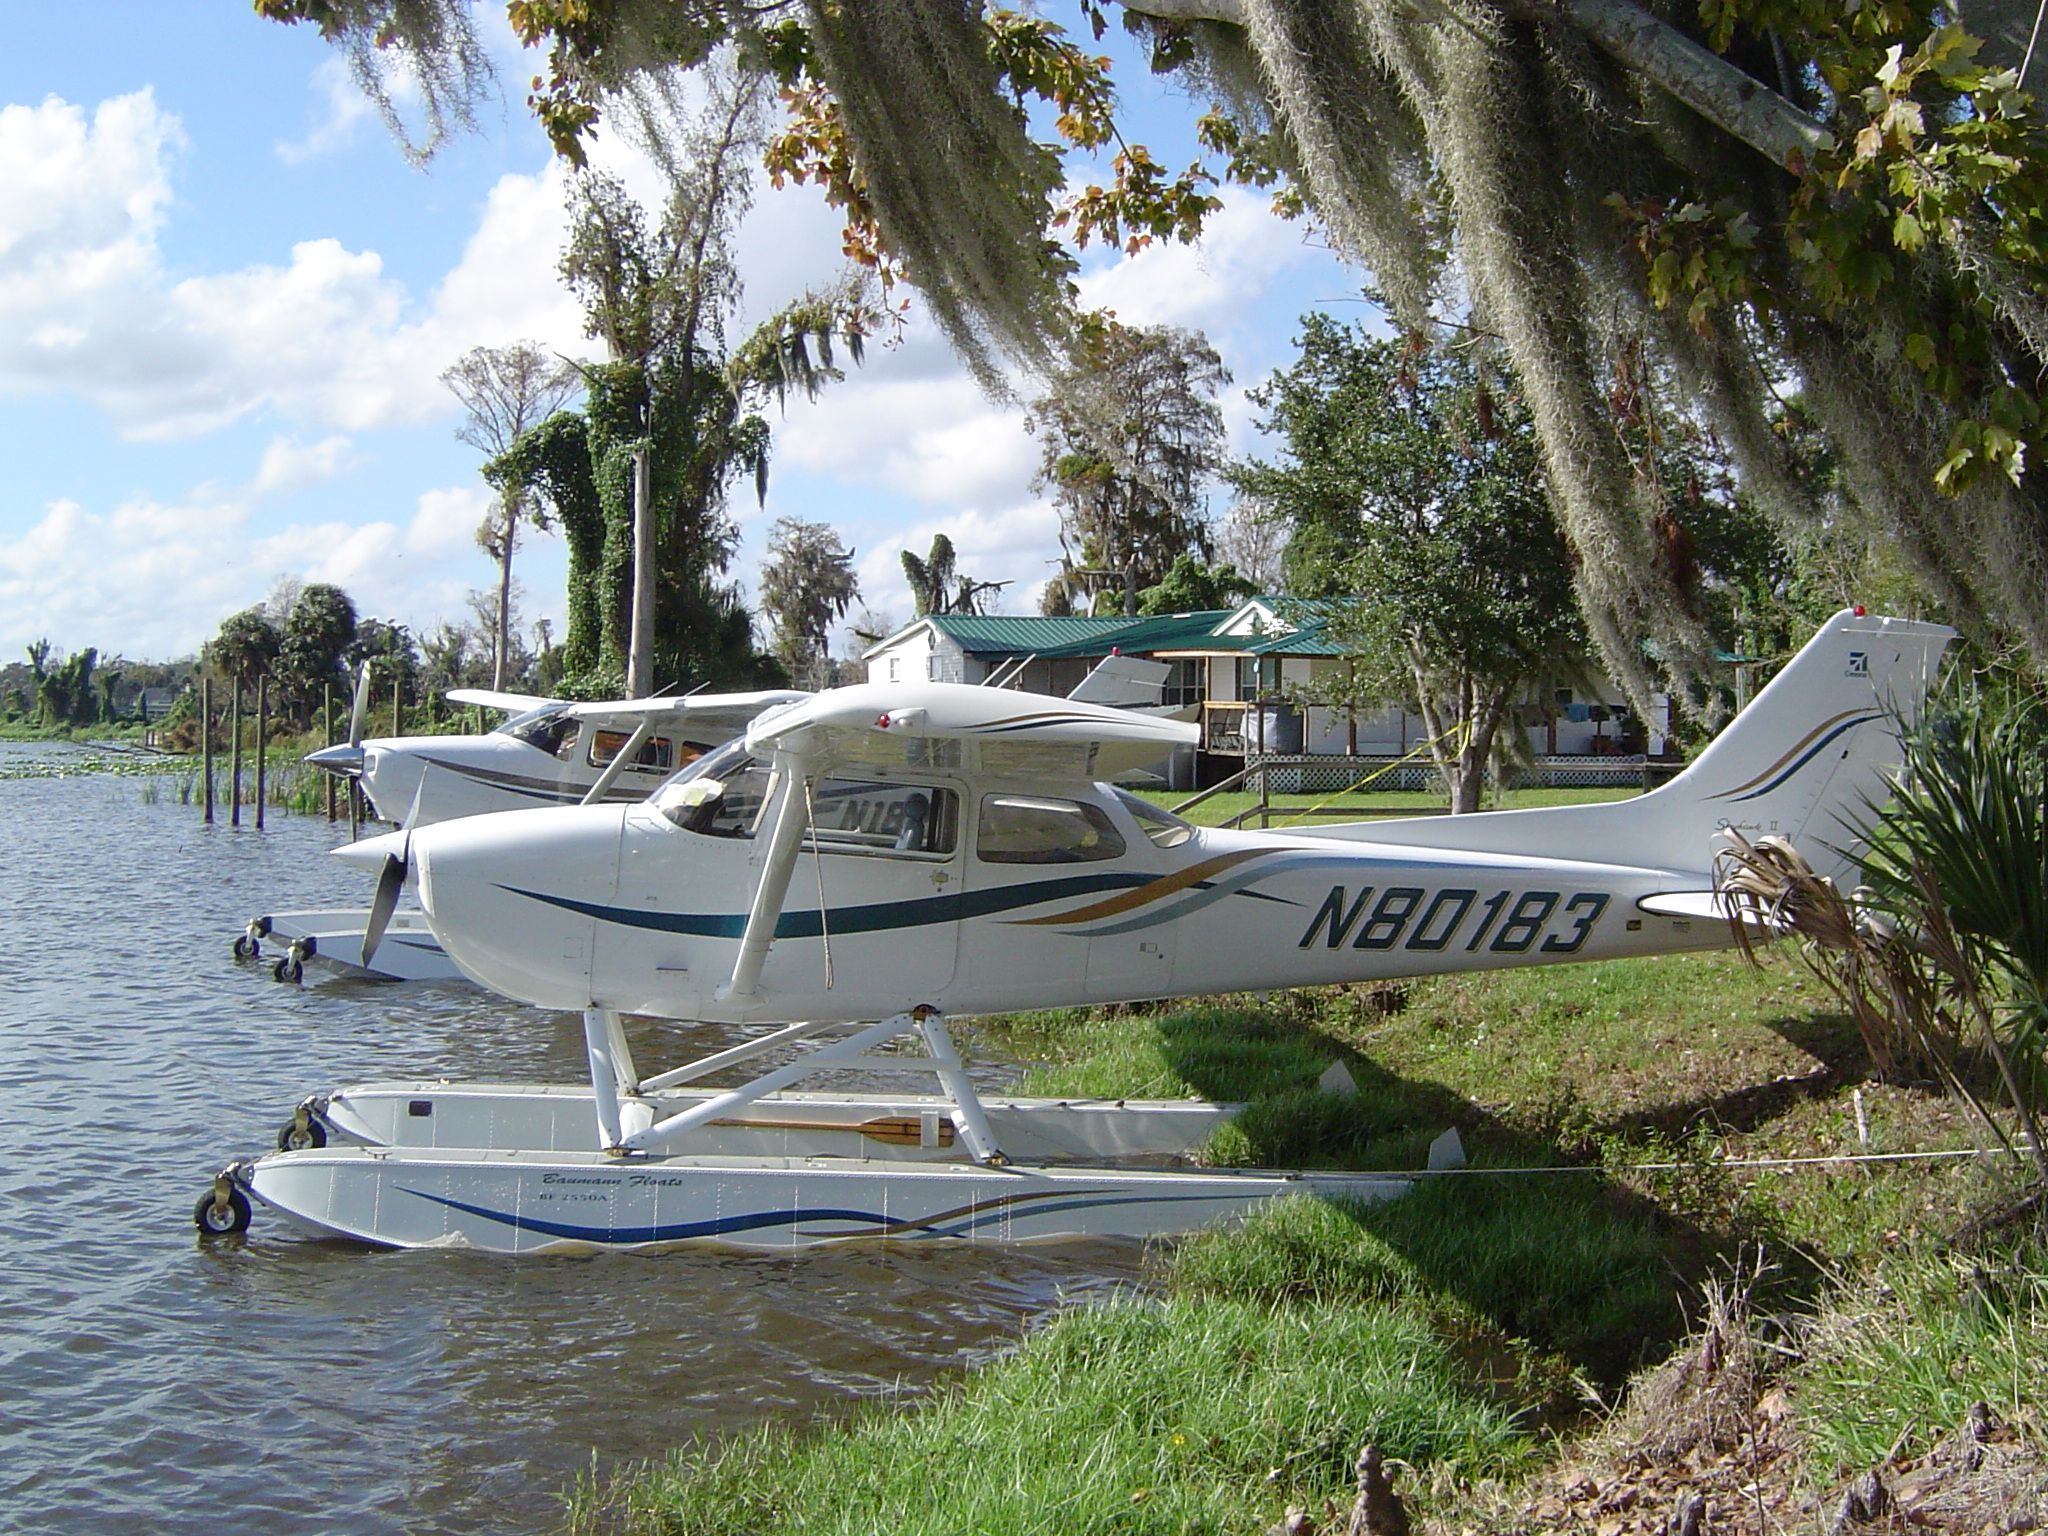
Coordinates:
919 655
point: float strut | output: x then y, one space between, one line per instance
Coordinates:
602 1039
967 1114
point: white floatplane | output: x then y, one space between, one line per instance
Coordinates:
549 752
960 852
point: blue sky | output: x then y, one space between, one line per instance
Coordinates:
226 299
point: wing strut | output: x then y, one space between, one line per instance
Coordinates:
617 765
778 863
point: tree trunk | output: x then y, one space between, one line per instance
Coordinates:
506 534
640 648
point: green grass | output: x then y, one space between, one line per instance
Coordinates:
1898 1360
1464 1325
1190 1414
1573 1276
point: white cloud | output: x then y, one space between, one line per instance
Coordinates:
290 465
155 577
340 109
326 340
75 191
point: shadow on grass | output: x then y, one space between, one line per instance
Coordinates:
1839 1061
1574 1264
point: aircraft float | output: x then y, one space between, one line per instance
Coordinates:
862 862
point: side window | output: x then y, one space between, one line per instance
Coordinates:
657 753
869 816
1035 829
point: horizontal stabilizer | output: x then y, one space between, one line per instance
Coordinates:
1709 906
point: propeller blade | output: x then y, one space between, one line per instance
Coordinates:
412 817
389 884
359 707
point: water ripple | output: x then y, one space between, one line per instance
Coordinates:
155 1382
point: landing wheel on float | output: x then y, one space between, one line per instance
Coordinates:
222 1210
250 945
288 969
301 1134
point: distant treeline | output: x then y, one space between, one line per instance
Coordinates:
82 688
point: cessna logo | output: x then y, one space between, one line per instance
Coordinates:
1859 664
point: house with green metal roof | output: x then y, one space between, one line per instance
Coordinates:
1240 668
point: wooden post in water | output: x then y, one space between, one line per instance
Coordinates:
206 744
327 738
262 742
355 783
235 755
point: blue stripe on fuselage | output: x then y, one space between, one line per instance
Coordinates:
874 918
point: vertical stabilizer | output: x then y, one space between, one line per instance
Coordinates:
1805 761
1810 754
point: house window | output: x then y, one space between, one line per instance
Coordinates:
1037 829
895 669
1183 685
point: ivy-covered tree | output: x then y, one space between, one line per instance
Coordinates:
1414 482
936 585
659 294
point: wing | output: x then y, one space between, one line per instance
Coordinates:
491 698
995 731
726 712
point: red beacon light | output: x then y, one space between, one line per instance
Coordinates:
1860 610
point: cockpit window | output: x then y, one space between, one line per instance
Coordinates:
545 728
657 754
719 795
874 816
722 795
1163 827
1038 829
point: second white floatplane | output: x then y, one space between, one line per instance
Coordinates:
753 1166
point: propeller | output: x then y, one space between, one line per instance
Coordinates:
346 760
360 706
391 878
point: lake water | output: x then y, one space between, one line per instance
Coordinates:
153 1381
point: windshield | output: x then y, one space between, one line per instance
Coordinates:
544 727
1162 826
